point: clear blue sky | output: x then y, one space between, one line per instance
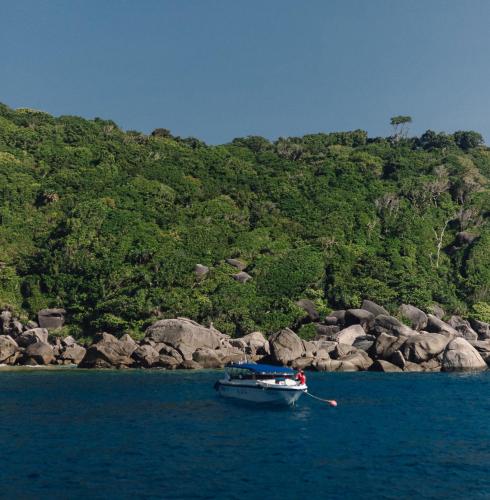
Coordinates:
218 69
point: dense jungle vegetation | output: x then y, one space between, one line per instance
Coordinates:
110 224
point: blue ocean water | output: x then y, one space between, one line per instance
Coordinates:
152 434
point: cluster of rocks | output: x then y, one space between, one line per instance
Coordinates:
368 338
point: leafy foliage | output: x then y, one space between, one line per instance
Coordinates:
110 224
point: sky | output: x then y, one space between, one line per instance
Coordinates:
220 69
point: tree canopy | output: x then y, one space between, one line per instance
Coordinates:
111 224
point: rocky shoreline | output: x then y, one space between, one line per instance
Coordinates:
368 338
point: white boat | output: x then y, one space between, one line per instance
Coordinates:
260 383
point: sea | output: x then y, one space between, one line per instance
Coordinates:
69 434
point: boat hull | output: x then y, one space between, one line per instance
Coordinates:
259 394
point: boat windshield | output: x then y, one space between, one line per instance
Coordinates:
244 374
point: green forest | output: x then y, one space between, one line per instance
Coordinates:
110 224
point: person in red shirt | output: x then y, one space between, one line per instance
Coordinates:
301 377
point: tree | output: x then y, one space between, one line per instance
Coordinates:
400 126
468 139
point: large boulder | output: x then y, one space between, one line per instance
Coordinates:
242 277
51 318
391 326
461 355
184 335
32 336
256 342
359 359
381 365
5 320
327 331
419 348
237 263
364 343
374 308
285 346
128 345
168 362
463 328
309 307
437 311
350 334
483 347
39 353
207 358
107 352
8 350
200 271
436 325
481 328
72 354
146 356
386 345
417 317
359 317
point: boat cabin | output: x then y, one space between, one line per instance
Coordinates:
254 371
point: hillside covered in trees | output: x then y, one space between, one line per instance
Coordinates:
111 224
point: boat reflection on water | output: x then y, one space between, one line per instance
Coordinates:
260 383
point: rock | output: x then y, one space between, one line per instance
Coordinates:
207 358
128 345
73 354
189 364
330 321
359 317
481 328
51 318
238 343
146 356
397 359
483 347
31 324
242 277
340 315
418 319
166 350
374 308
412 367
437 311
309 348
184 335
239 264
309 307
8 350
392 326
303 363
285 346
364 343
32 336
68 341
345 366
39 353
359 359
5 319
386 345
200 271
257 342
328 331
350 334
16 327
108 352
461 355
342 350
432 365
104 338
325 347
381 365
419 348
463 328
436 325
231 355
168 362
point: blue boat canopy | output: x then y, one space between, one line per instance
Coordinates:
263 369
